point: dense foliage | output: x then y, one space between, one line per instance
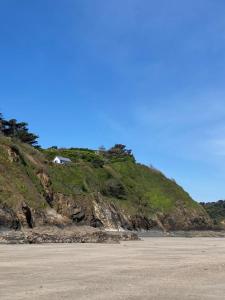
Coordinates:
216 210
18 130
97 158
117 152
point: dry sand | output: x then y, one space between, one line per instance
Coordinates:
156 268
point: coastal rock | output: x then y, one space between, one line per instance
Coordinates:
8 218
71 234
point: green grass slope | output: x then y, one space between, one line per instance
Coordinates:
134 189
133 185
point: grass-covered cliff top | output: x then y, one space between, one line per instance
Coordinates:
118 177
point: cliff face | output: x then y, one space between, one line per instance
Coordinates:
111 193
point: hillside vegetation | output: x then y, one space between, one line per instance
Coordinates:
216 211
104 188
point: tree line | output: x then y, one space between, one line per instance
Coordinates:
13 128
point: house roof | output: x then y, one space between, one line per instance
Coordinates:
63 158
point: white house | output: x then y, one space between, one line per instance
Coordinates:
61 160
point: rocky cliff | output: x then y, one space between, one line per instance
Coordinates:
109 192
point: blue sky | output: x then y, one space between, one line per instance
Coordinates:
148 74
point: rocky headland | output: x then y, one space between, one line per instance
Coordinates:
105 191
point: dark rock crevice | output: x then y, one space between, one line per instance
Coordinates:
28 215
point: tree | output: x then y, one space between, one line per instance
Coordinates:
119 151
12 128
27 137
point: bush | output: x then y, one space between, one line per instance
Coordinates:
114 188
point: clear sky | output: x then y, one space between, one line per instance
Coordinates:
148 74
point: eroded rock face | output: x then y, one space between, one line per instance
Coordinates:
142 222
51 217
8 218
13 155
181 219
99 214
47 187
107 213
96 212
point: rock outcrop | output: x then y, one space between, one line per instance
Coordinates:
71 234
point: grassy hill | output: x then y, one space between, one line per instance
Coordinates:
99 188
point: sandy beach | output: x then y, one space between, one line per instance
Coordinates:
154 268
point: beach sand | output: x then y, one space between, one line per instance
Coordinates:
154 268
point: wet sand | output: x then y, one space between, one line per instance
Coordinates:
155 268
